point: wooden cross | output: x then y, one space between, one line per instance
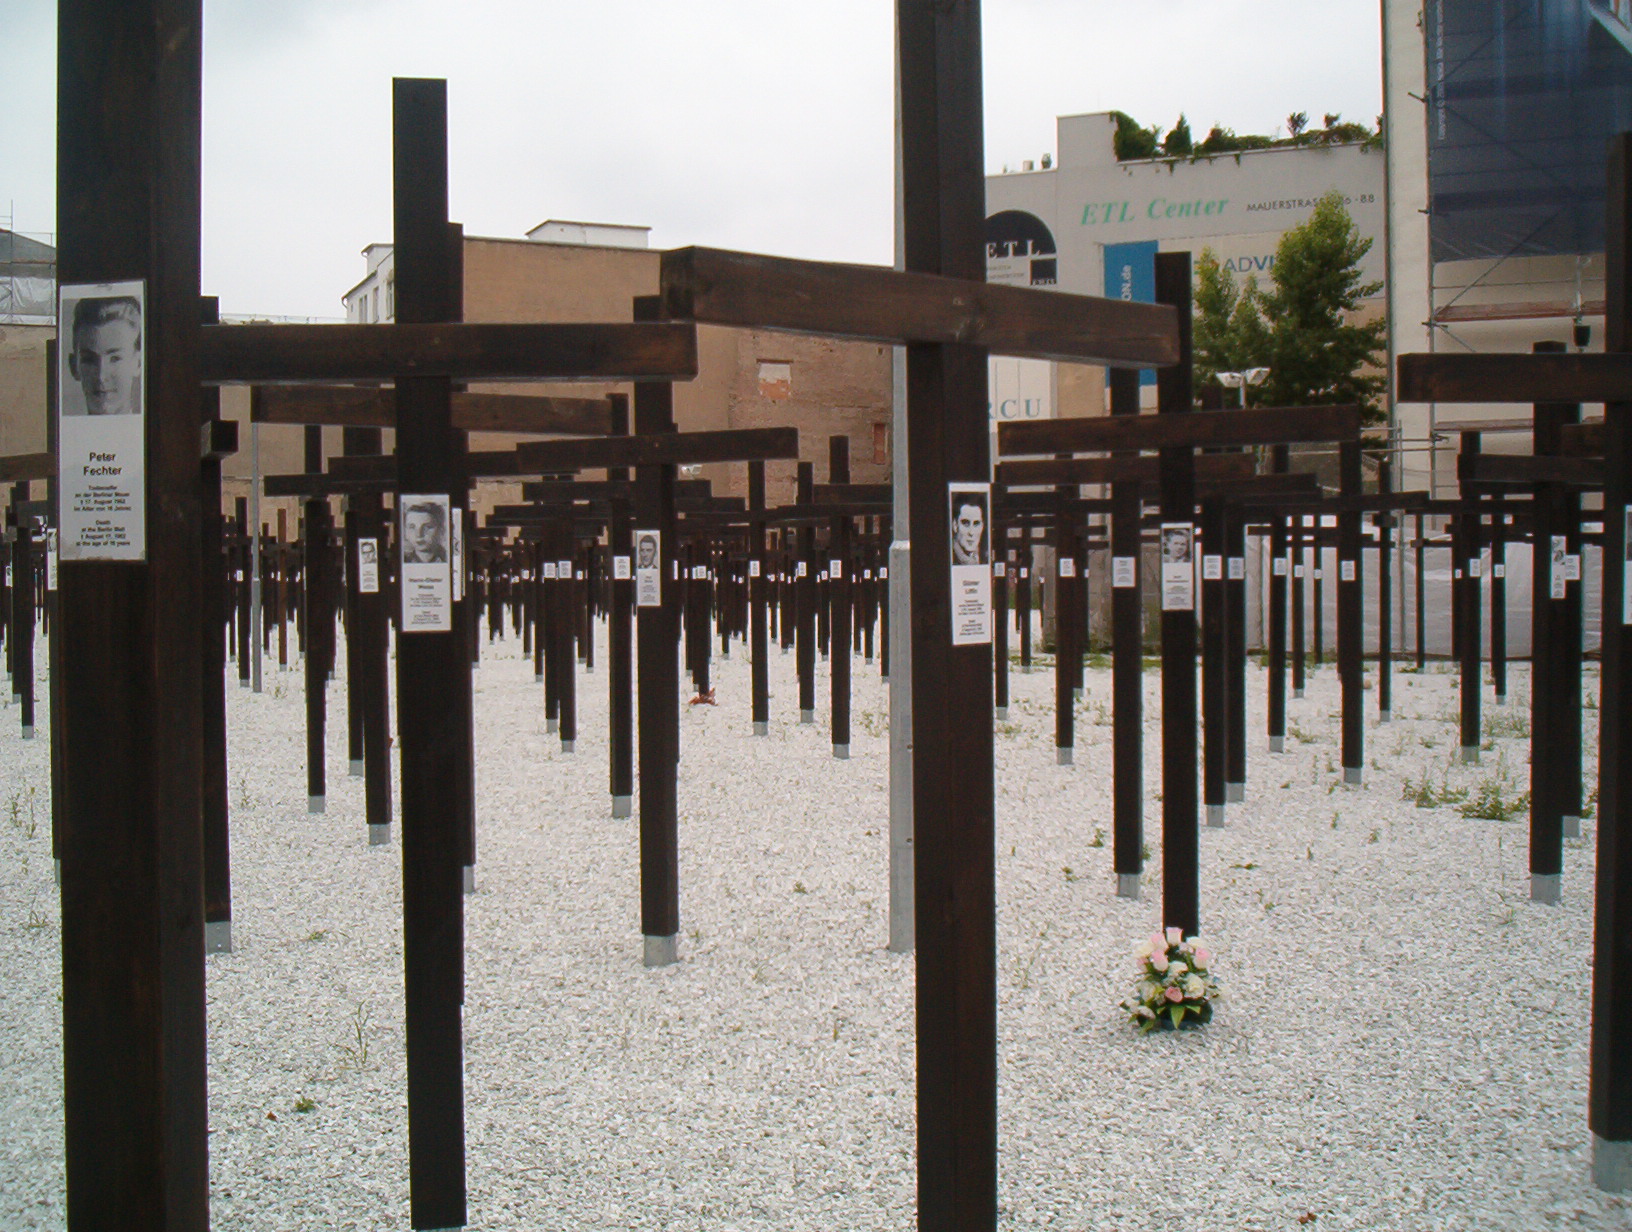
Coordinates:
1607 378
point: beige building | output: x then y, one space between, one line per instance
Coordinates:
588 272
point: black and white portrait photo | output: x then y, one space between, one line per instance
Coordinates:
969 545
103 355
968 506
424 533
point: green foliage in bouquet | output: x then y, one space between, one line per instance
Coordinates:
1176 988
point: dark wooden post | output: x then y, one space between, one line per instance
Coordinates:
1498 607
1610 1099
1549 657
1468 621
1235 649
1022 613
212 664
1181 879
659 665
319 622
1385 522
373 668
1066 626
758 604
565 657
133 1023
620 647
21 641
1279 568
1317 541
431 667
1000 615
1214 676
245 648
948 434
840 585
1421 589
1351 617
806 598
1127 663
1300 582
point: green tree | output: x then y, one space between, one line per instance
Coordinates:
1132 139
1178 140
1318 354
1229 333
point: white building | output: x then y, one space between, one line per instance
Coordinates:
1092 224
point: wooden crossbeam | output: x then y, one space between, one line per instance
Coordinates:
1199 429
363 406
876 304
1118 470
24 466
325 354
326 485
1582 439
1544 377
1524 468
852 493
660 449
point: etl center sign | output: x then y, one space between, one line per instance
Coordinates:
1157 209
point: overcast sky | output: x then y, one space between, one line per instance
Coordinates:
763 125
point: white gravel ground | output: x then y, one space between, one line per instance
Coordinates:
1403 1044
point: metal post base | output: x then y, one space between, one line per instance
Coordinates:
470 879
1546 888
1127 885
841 751
1385 716
1235 793
762 729
1062 757
623 806
218 937
1572 827
569 746
357 769
538 677
1076 695
1469 756
1001 713
1277 744
1611 1165
1351 776
552 725
662 951
1501 699
1297 692
56 872
379 836
315 804
807 716
1215 816
28 732
784 650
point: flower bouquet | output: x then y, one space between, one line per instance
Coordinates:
1175 987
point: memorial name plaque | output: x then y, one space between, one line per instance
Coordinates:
368 566
1123 572
971 580
426 573
102 421
648 568
1178 566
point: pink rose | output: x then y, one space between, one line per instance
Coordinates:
1202 957
1157 945
1173 994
